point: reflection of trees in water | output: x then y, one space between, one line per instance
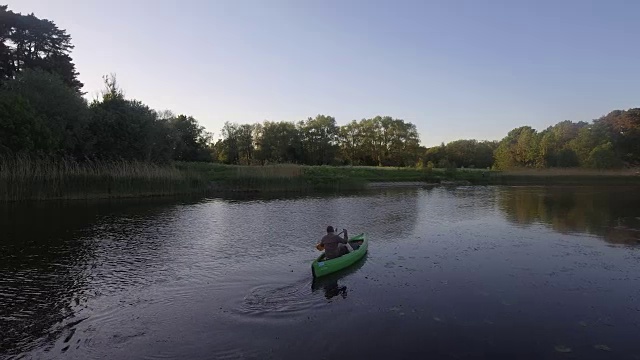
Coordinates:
46 254
380 211
40 280
54 257
607 212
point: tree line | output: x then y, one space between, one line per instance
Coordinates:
380 141
43 112
27 42
41 115
612 141
609 142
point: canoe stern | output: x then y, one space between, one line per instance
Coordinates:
321 267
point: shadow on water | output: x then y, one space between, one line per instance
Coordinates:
330 284
607 212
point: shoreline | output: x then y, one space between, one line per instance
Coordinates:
141 180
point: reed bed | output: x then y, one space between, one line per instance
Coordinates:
566 177
571 172
291 177
40 178
283 171
274 178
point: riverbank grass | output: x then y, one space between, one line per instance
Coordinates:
280 178
290 177
29 178
566 177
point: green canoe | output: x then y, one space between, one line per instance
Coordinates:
322 267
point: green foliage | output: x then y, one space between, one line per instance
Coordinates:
464 153
62 110
450 171
604 157
587 139
520 148
430 166
27 42
567 158
21 129
228 147
192 140
604 144
42 112
289 177
379 141
623 128
127 129
319 137
277 142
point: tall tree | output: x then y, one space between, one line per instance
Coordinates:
351 140
62 110
520 148
623 127
277 142
27 42
192 140
127 129
319 135
228 146
21 128
469 153
246 145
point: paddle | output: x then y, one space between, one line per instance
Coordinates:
349 248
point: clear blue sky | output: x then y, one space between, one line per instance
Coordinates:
456 69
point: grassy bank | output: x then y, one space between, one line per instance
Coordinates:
566 177
277 178
309 178
28 178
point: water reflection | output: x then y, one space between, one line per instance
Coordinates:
333 285
608 212
71 265
445 275
52 255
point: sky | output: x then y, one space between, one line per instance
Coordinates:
457 69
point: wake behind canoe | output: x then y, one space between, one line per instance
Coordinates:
321 267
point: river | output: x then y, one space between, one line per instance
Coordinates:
451 273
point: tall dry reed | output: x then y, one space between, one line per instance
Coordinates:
25 177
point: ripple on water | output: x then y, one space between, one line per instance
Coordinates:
278 301
227 352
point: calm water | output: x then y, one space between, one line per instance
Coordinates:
465 273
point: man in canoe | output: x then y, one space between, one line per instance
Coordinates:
334 246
